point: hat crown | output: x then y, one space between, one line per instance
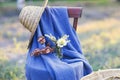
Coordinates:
30 16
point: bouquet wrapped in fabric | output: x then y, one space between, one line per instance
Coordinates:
61 42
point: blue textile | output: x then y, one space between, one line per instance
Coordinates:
72 66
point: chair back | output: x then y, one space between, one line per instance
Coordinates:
75 13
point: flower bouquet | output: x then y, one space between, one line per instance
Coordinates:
61 42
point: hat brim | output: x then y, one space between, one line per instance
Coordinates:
33 32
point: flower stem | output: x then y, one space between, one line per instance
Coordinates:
58 51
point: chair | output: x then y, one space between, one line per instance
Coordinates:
108 74
74 12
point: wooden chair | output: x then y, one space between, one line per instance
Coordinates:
75 13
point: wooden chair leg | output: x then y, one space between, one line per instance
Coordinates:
75 22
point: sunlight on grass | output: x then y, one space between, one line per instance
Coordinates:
98 25
101 42
3 57
18 47
107 38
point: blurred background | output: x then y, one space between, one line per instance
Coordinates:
98 31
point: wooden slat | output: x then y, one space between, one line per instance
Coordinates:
75 12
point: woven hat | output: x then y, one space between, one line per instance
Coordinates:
30 17
108 74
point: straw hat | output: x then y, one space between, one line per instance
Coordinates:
30 17
108 74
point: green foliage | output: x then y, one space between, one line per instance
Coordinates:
11 71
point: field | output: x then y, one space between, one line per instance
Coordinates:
101 43
98 31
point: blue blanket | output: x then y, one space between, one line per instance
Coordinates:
72 66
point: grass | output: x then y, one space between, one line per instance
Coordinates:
100 41
8 4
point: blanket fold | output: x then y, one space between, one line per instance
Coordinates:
72 66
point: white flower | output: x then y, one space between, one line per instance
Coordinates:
65 37
60 42
63 41
51 37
